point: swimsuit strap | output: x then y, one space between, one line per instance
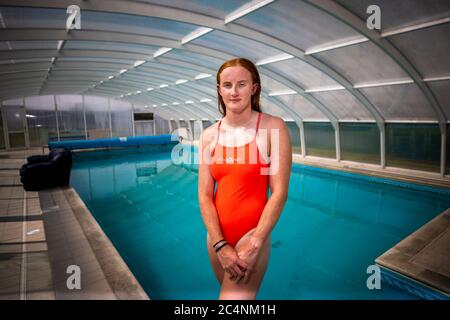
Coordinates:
257 124
217 139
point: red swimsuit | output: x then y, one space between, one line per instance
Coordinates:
241 193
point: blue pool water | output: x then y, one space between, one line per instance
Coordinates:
332 228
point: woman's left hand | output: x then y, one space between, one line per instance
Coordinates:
249 252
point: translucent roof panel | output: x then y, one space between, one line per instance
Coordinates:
25 60
343 105
304 108
272 108
4 45
22 67
186 93
202 89
298 23
133 24
160 78
362 63
195 58
28 45
120 86
217 9
236 46
301 73
130 84
23 76
13 102
94 59
60 64
431 57
110 46
165 68
441 90
269 85
170 96
65 76
400 102
40 102
83 73
20 92
401 13
33 18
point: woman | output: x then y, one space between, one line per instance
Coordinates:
235 155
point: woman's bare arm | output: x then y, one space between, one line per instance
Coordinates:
280 170
206 189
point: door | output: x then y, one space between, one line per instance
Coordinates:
15 126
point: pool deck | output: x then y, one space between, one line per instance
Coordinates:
43 233
406 175
424 256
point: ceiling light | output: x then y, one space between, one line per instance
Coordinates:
205 100
138 63
436 78
326 47
110 77
138 92
189 102
60 44
202 76
180 81
245 9
282 92
195 34
380 84
149 89
164 104
123 70
161 51
175 103
276 58
324 89
163 85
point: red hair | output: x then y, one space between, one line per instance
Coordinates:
250 66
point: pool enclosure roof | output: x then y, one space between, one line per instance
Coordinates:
318 59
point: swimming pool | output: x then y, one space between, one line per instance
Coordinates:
333 227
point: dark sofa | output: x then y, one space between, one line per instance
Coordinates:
49 171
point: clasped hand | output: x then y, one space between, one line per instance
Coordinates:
239 262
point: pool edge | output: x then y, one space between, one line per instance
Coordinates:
122 281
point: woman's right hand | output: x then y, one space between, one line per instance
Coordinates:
231 262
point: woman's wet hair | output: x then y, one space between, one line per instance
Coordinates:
250 66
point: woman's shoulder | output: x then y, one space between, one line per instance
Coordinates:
210 132
269 121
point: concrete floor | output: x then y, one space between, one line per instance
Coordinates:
43 233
